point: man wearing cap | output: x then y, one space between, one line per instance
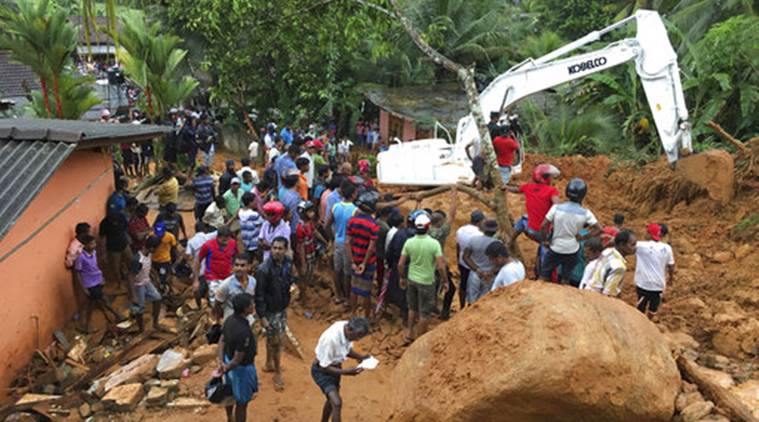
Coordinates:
463 235
315 149
652 259
226 179
424 255
482 270
284 164
202 187
233 197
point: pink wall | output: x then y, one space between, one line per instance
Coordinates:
35 281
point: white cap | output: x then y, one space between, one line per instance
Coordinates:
422 221
235 180
105 112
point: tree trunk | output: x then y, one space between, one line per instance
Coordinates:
45 99
57 95
149 99
466 76
246 117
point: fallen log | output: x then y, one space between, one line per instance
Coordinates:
736 410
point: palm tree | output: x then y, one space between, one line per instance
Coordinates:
76 95
23 33
61 41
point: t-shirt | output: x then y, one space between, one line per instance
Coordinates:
652 259
310 173
303 187
537 200
214 216
203 186
440 233
568 219
342 213
162 253
232 201
478 245
318 161
218 260
504 147
72 252
230 288
362 229
333 347
140 268
290 199
252 171
138 230
250 228
332 199
195 243
509 274
283 164
253 150
272 154
168 191
344 147
238 337
463 235
608 273
305 235
172 223
269 233
587 274
115 232
323 209
422 252
87 267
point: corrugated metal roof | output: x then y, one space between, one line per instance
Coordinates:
27 167
77 131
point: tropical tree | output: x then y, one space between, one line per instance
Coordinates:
60 44
76 95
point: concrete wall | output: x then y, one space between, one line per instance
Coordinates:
35 282
409 130
234 140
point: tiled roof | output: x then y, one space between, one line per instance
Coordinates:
87 134
15 77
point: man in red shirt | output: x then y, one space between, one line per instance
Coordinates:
505 145
219 255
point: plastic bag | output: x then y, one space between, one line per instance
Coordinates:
217 391
214 334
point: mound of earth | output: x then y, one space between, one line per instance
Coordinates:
539 352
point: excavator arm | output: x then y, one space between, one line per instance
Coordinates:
655 63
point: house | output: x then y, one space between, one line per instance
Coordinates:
55 173
410 112
16 82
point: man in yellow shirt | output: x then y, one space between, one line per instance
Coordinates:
164 255
168 190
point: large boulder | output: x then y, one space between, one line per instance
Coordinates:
539 352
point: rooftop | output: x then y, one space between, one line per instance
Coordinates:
15 79
84 134
424 104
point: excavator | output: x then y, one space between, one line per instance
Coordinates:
435 162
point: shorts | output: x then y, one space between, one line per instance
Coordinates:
277 323
243 380
553 259
164 270
476 288
95 292
326 382
648 299
202 287
420 298
341 260
505 173
360 286
142 292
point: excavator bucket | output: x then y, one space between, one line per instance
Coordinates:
712 170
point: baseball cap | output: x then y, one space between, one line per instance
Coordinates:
490 226
476 217
318 144
235 180
654 230
422 221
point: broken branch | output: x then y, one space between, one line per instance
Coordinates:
477 195
728 137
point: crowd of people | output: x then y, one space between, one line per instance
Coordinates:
259 237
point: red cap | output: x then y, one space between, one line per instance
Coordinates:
315 144
654 230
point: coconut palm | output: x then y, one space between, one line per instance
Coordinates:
76 95
61 42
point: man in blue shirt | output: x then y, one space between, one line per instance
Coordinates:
203 189
338 222
286 134
284 163
290 198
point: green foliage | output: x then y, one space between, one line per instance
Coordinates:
575 18
77 96
538 45
723 84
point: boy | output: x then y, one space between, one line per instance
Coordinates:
247 182
303 165
567 218
237 354
203 233
142 287
90 277
173 222
510 270
165 254
76 245
306 235
361 237
593 249
250 226
609 232
653 258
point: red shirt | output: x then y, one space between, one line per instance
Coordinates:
218 261
305 235
504 147
138 229
362 229
608 234
537 200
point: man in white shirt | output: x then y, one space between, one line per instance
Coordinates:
653 258
253 150
344 149
511 269
610 271
310 172
203 233
567 219
334 347
463 235
593 249
245 162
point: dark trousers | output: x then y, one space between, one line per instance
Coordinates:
464 274
445 313
200 209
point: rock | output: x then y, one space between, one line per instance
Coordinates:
519 348
739 339
96 407
748 393
205 353
723 379
138 370
171 385
679 340
124 398
722 257
743 251
85 411
686 399
715 361
153 383
696 411
195 369
687 387
188 402
29 400
714 418
171 364
157 396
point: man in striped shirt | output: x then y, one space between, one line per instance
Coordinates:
203 189
361 237
250 227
